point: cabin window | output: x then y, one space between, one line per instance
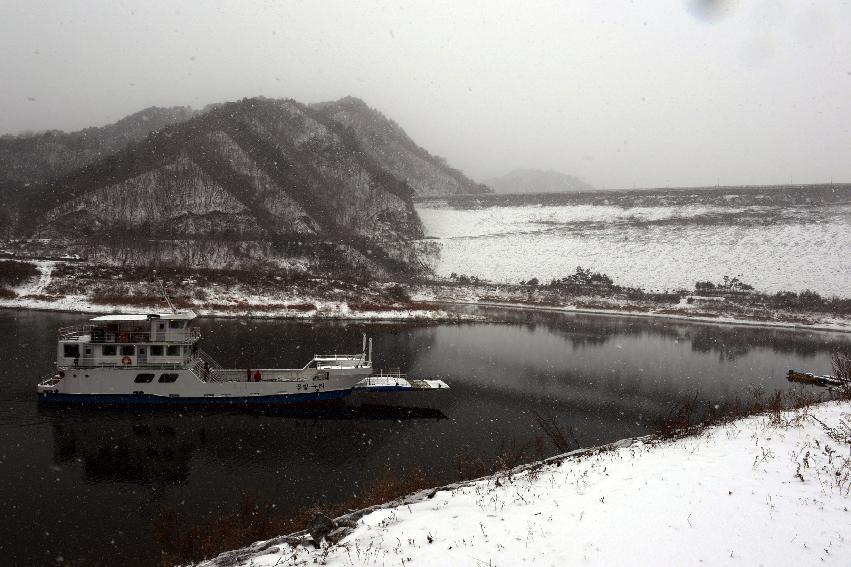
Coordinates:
108 350
173 350
71 351
88 351
144 378
128 350
162 326
156 350
167 378
175 324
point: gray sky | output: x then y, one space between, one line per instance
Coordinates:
619 93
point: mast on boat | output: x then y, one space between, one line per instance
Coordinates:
165 295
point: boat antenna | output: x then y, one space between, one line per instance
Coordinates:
165 294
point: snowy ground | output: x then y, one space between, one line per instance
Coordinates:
759 491
655 248
222 302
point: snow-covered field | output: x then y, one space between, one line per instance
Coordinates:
662 247
759 491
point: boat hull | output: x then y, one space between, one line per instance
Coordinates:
138 385
151 399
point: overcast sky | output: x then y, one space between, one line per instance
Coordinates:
619 93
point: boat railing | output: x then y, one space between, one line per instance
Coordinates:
86 362
386 377
324 357
50 379
211 362
338 360
389 373
266 375
100 335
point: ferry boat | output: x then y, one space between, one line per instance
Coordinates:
155 358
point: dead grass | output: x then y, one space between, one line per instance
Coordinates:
186 543
371 307
400 306
151 301
44 297
688 415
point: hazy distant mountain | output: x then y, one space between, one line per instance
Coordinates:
537 181
393 150
255 180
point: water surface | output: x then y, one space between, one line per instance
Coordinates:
85 485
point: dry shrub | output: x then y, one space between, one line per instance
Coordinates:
683 417
399 306
301 307
184 542
562 438
389 487
509 455
151 301
135 300
370 307
841 363
679 419
7 293
13 272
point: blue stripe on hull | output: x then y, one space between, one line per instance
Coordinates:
126 399
388 389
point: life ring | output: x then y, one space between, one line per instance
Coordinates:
126 361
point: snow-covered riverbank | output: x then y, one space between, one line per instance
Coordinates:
114 292
765 490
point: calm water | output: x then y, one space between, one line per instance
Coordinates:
85 485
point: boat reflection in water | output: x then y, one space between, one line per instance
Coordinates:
158 446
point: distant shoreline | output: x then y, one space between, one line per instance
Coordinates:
431 315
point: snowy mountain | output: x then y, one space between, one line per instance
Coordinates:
536 181
392 149
325 186
255 180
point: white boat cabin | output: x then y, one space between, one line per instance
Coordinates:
154 339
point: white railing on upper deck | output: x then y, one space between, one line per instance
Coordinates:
178 336
358 356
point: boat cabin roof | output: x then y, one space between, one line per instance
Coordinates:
188 315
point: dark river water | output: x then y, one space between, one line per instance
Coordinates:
83 487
